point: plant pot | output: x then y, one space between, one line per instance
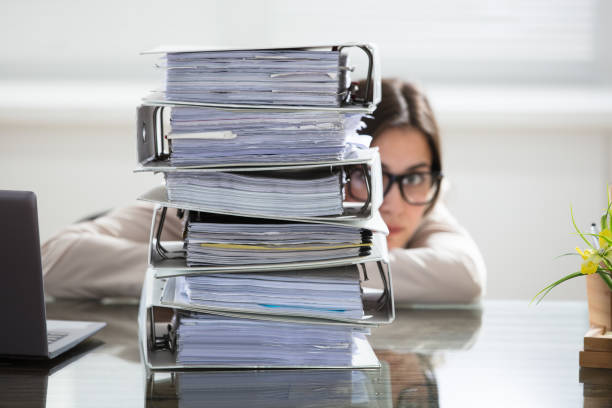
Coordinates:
599 297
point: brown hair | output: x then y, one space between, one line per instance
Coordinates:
403 105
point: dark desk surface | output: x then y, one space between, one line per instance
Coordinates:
505 354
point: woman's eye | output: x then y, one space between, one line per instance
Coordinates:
413 179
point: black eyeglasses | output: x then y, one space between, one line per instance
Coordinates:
416 187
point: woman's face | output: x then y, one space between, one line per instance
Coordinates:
402 150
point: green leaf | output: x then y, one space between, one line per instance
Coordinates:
578 231
606 216
607 262
541 294
608 240
608 210
604 271
567 254
606 278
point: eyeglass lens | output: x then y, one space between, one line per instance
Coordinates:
415 188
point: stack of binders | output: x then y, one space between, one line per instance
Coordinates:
277 267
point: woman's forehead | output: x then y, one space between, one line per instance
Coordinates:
402 149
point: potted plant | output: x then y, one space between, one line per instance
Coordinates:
596 266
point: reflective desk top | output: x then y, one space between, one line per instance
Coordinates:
502 354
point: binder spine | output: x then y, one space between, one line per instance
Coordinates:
372 90
150 141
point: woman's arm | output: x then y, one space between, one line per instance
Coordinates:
442 264
106 257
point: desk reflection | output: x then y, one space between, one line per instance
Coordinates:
597 387
429 330
429 358
269 388
23 383
413 348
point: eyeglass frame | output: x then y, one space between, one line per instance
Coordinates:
436 179
393 178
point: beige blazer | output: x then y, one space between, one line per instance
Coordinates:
441 264
107 257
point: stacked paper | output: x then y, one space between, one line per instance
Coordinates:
208 136
209 340
244 241
289 194
325 294
275 77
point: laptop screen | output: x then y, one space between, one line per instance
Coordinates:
22 304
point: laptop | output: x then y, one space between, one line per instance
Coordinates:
22 302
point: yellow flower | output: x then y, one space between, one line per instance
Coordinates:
603 243
585 254
588 268
591 259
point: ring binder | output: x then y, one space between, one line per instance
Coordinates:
367 104
378 302
153 146
368 160
168 258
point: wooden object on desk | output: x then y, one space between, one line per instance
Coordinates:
595 376
596 339
599 297
596 359
597 349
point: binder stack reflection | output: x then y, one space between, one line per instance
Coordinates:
270 388
277 268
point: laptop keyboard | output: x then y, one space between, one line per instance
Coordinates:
54 336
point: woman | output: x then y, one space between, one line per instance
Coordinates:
432 258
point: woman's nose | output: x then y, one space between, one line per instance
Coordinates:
393 200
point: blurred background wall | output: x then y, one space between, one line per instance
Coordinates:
522 90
